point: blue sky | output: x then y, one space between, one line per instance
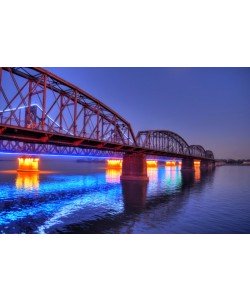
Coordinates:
207 106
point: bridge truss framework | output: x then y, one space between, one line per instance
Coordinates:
42 113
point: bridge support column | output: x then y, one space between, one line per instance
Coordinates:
134 167
187 164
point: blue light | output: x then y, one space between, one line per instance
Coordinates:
63 199
60 155
76 192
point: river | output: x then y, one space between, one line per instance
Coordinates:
72 197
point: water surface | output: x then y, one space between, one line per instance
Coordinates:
86 197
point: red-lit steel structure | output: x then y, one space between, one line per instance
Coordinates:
42 113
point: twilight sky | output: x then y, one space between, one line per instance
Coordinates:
206 106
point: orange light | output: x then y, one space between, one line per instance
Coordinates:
152 173
152 163
197 173
197 170
113 175
27 180
28 164
172 163
197 163
114 163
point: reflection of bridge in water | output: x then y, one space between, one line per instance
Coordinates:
42 113
92 202
141 196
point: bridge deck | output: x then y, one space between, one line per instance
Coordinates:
39 137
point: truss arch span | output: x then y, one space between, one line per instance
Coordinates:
163 140
209 154
197 150
37 100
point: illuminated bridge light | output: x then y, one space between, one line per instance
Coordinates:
197 163
28 164
172 163
114 163
152 163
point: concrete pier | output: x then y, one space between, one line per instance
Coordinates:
134 167
187 164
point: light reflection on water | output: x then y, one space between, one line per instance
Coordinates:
197 173
79 201
27 180
113 175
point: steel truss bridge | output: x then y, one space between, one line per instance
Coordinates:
44 114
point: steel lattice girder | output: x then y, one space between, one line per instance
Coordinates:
209 154
197 150
38 107
171 142
163 140
37 100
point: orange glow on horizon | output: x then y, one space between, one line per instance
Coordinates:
28 164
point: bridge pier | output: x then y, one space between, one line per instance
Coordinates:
134 194
134 167
187 164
